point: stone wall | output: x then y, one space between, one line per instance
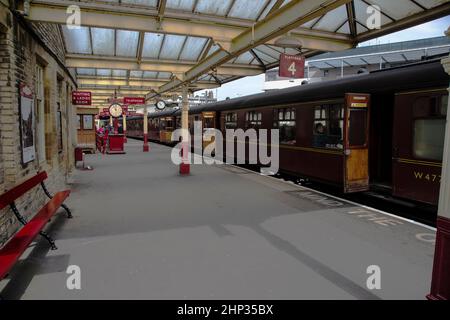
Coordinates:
22 46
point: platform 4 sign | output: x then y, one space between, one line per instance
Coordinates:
81 98
291 66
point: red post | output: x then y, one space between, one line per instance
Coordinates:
184 165
146 147
440 284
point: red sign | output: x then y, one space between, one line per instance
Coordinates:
81 98
134 100
291 66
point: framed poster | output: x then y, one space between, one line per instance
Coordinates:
27 124
88 122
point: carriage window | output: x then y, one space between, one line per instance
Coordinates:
231 120
357 131
253 119
328 126
429 138
208 123
284 120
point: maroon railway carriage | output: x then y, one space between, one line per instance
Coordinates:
379 130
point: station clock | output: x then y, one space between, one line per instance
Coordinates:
115 110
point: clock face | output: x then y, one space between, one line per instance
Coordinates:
115 110
160 105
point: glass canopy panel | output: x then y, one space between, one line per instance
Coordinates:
136 74
431 3
148 3
77 40
309 24
394 57
245 58
164 75
436 51
397 9
86 71
127 43
103 41
219 8
245 9
172 46
152 45
267 9
184 5
333 20
414 55
265 57
150 74
270 51
344 29
193 48
355 61
362 16
119 73
104 72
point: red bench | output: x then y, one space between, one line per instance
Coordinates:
15 247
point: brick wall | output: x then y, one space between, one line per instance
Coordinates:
21 47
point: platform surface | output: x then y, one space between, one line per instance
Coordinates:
141 231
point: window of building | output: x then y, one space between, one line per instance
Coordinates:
328 126
59 129
285 121
429 127
231 120
40 112
253 119
78 122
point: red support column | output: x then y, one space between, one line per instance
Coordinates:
146 147
184 165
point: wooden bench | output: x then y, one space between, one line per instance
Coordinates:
15 247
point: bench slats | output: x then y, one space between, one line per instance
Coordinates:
11 195
11 252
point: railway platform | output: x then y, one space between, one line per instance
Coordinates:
142 231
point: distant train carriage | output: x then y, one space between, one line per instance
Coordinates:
379 130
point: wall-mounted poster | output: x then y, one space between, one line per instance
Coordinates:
27 123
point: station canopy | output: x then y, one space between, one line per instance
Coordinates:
153 47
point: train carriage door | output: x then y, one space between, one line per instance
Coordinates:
208 122
356 143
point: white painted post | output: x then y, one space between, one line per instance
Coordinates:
440 285
184 166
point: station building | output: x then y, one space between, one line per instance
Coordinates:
32 55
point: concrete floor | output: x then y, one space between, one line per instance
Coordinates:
141 231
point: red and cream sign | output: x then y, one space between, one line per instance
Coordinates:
134 100
81 98
291 66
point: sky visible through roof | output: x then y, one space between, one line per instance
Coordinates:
252 85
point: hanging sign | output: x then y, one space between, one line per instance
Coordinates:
291 66
134 100
81 98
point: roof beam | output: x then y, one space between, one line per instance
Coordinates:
103 62
292 15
